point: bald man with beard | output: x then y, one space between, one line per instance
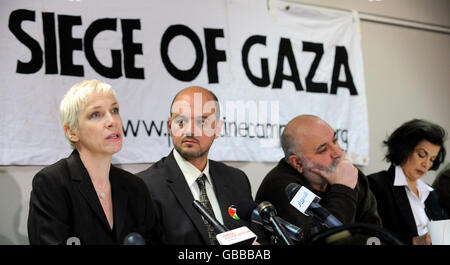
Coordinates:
314 159
194 124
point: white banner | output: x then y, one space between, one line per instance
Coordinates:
266 64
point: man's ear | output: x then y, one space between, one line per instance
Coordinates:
296 163
71 134
169 125
218 129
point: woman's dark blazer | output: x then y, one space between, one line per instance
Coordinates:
394 208
64 204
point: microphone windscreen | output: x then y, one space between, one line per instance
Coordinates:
134 239
244 209
291 190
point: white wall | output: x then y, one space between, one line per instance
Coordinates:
407 76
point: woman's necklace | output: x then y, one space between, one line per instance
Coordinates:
102 191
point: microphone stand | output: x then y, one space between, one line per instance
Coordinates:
280 231
266 210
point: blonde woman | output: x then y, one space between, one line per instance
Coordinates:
84 196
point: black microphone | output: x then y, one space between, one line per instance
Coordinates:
218 227
247 210
268 213
238 236
134 239
307 203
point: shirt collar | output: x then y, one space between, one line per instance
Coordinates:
190 172
400 180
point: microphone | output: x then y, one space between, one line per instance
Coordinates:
307 203
238 236
247 210
268 213
218 227
134 239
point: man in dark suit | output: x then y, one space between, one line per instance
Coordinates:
314 159
186 174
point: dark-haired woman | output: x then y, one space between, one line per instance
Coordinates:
406 204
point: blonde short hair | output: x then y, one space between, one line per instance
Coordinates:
76 98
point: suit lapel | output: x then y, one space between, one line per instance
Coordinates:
81 178
222 190
402 202
179 187
401 199
120 199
